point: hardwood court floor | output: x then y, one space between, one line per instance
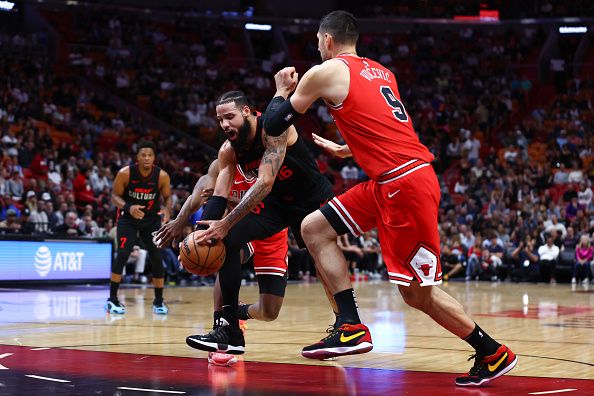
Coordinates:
548 327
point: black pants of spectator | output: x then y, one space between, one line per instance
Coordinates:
354 261
581 271
502 271
548 270
300 262
369 262
170 263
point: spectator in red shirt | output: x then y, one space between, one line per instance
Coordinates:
82 190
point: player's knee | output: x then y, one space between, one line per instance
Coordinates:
117 265
270 313
307 229
312 230
415 297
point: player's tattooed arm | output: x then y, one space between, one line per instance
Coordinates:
272 159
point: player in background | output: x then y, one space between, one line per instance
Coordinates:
401 199
137 193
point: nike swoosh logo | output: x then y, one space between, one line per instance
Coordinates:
493 367
238 182
390 195
351 337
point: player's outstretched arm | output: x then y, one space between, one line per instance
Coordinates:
340 151
171 231
165 190
212 228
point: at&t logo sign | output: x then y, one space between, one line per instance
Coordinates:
64 261
43 261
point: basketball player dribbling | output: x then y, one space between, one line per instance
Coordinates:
270 256
401 199
288 186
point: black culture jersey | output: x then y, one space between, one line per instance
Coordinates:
298 179
143 191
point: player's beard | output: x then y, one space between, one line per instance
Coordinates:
241 144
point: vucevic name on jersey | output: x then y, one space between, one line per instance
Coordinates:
373 121
298 178
143 191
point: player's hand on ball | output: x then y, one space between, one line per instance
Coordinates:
168 233
217 230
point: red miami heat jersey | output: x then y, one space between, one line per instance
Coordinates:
373 121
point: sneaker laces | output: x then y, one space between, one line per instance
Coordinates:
334 326
331 334
478 362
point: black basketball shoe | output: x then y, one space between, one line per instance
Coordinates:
222 339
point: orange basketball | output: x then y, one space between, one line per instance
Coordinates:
201 260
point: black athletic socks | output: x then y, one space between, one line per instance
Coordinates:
243 312
158 295
230 315
347 306
113 290
482 342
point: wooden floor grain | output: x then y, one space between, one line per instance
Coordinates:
549 327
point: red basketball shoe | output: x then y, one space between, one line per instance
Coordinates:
348 339
221 359
487 368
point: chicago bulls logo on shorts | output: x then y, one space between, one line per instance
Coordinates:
426 268
424 263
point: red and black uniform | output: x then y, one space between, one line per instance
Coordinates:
298 190
270 254
143 191
402 197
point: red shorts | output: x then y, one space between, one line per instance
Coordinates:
270 254
403 205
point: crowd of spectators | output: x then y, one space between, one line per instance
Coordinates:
176 69
57 159
516 204
520 211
